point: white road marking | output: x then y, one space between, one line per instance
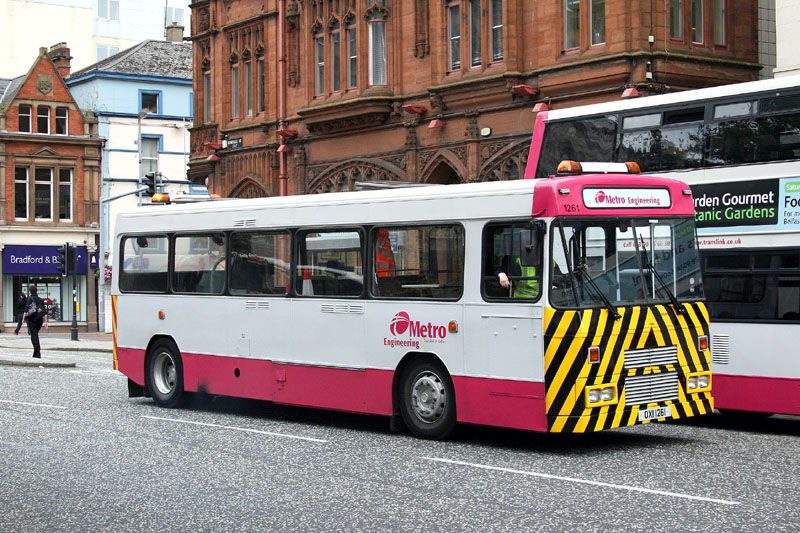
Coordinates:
33 404
234 428
583 481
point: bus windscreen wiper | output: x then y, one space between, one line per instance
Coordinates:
611 309
647 265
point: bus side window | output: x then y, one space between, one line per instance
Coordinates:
418 262
259 263
505 273
144 264
330 263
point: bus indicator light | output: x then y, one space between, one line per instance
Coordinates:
594 354
702 342
161 315
453 326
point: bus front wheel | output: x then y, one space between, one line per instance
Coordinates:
165 374
427 400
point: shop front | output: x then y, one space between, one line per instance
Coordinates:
36 265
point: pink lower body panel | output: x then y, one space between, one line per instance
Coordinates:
493 402
757 393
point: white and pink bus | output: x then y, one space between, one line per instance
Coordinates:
738 147
567 304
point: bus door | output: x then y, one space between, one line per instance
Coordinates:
327 323
257 314
503 339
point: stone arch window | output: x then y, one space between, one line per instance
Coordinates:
505 164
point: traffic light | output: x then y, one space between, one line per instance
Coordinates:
150 183
62 259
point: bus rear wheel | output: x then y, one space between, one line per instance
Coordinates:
427 400
165 374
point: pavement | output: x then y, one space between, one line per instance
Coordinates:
58 349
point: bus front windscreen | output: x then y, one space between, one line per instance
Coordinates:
623 261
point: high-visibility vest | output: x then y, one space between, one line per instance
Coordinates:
384 257
526 288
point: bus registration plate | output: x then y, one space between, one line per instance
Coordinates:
655 413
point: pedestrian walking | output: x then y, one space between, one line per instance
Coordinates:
20 309
36 317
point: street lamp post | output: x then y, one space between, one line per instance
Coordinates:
139 117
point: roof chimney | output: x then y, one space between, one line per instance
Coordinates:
59 54
175 33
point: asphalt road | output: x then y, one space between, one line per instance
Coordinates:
77 455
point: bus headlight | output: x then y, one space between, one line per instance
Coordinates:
599 395
698 382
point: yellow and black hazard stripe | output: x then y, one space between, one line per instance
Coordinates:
568 372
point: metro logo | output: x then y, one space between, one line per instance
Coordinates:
626 198
400 323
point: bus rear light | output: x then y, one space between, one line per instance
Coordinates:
599 395
702 342
594 354
453 326
698 382
633 167
569 167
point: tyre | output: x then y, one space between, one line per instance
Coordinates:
165 374
428 400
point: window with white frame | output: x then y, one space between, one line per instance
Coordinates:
62 121
598 22
719 23
454 26
207 97
235 90
248 87
108 9
21 193
43 119
43 193
697 21
319 52
497 29
377 49
475 34
468 22
336 67
572 24
262 100
174 15
149 154
25 118
65 194
103 51
352 58
675 18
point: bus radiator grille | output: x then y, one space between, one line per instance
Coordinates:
651 388
667 355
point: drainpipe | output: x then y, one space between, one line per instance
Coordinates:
282 156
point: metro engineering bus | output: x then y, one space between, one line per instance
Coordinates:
567 304
738 147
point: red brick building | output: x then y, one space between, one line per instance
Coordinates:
50 157
305 96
